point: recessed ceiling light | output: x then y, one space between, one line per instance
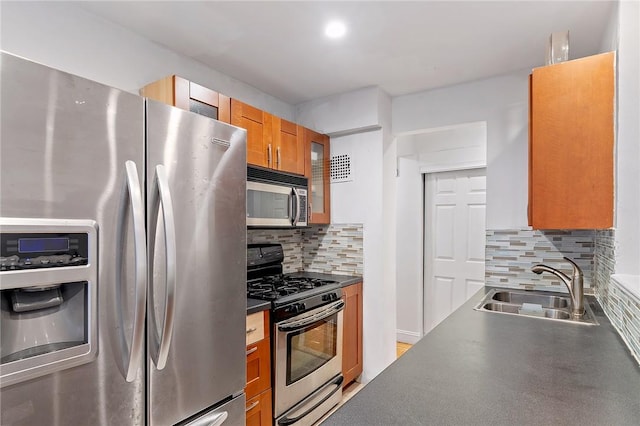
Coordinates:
335 29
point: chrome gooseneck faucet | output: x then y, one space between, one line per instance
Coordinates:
574 284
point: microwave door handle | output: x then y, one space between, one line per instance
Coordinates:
296 202
131 198
161 196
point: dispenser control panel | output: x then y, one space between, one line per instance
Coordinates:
20 251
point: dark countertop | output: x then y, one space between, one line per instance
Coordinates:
478 368
256 305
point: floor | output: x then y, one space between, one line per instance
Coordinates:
401 348
355 387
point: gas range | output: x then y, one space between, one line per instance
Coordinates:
306 333
289 294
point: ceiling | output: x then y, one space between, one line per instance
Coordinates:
402 47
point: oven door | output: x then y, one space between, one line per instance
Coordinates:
308 353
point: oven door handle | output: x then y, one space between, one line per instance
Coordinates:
291 420
298 324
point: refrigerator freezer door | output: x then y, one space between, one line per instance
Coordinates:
205 166
231 413
64 143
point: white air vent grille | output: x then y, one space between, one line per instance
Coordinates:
341 168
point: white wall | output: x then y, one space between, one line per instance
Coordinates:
66 37
628 141
350 118
351 112
409 250
502 102
440 149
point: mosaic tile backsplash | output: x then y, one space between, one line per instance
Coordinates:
331 249
622 308
510 254
334 249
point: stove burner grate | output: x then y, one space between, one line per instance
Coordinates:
273 287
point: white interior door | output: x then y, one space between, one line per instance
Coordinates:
455 205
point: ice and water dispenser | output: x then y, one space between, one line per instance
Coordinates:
48 296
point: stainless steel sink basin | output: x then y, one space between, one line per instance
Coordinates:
546 300
535 304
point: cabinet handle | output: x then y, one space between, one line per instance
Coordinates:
252 406
269 155
277 157
251 330
252 350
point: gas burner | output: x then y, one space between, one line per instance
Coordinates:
273 287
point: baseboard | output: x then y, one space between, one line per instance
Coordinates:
410 337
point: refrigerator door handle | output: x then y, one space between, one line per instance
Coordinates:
213 419
131 198
161 196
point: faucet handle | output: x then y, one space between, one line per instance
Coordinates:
577 272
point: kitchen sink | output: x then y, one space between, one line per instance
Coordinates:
535 304
545 300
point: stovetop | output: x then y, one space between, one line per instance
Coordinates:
289 294
275 287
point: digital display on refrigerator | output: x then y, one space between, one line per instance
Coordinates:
37 245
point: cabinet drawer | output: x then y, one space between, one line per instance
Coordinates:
255 327
258 368
259 410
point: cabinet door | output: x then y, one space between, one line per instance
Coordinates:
352 333
289 155
184 94
317 171
259 363
207 102
259 410
259 125
571 144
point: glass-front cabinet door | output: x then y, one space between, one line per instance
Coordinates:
317 171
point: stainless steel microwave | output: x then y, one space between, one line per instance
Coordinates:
276 199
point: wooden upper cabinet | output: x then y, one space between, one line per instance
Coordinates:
289 145
571 144
187 95
259 127
317 159
271 141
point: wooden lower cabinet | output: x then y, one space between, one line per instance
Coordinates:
259 412
258 389
258 367
352 333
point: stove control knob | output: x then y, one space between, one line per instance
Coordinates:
299 307
330 297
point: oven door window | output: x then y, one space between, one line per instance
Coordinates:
310 348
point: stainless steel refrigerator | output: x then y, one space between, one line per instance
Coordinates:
123 225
